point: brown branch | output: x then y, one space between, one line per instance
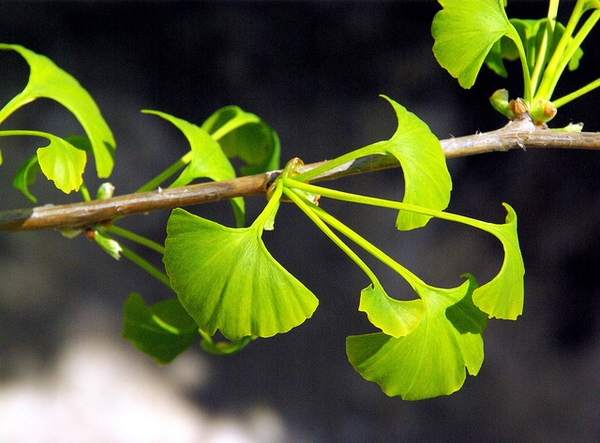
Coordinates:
518 134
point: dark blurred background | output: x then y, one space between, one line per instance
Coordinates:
312 70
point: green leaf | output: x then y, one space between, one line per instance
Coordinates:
503 296
227 280
163 330
501 50
26 176
244 135
427 182
531 33
62 163
394 317
46 80
208 159
464 33
433 359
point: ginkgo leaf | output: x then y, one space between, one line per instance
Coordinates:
502 297
46 80
244 135
163 330
393 317
434 358
465 31
62 163
25 177
208 159
427 182
228 281
531 33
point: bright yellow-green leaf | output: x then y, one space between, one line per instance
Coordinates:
62 163
502 297
394 317
244 135
427 182
464 33
433 359
163 330
25 176
228 281
531 33
46 80
208 159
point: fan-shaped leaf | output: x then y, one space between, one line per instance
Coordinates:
502 297
62 163
227 280
432 360
464 33
427 182
208 159
163 330
49 81
394 317
244 135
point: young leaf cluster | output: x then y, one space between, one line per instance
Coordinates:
469 33
63 160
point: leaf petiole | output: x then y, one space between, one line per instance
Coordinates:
167 173
391 204
332 164
547 37
135 258
527 77
565 49
308 209
137 238
576 94
315 212
85 193
146 266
